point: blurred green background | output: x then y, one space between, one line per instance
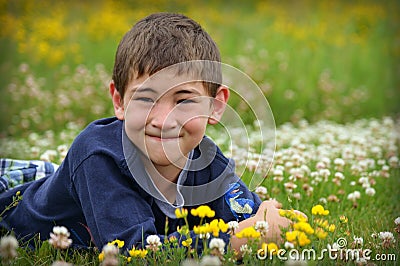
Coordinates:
335 60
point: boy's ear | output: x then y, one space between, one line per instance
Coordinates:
117 101
219 104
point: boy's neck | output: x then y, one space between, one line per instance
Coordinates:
164 178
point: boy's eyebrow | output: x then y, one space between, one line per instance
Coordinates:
143 89
186 91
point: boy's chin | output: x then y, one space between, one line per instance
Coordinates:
164 161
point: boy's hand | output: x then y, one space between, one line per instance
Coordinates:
269 211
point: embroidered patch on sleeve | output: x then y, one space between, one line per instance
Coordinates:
240 207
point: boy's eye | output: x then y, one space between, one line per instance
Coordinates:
185 101
144 99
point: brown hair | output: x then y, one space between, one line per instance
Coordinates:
161 40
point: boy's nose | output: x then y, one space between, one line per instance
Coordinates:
162 116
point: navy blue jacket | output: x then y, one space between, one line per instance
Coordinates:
95 196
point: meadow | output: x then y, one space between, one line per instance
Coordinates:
330 71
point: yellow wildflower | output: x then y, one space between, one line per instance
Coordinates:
297 237
303 239
181 213
141 253
217 225
271 248
187 242
101 256
183 230
304 227
331 228
343 219
202 229
320 233
292 215
319 210
248 232
203 211
173 239
117 242
223 226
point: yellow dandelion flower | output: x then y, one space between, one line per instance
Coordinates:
203 211
181 213
304 227
248 232
319 210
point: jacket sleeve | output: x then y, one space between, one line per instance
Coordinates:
241 202
112 206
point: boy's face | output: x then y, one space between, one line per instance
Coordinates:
166 116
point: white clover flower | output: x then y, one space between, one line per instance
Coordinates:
387 239
262 227
8 247
357 194
351 197
323 200
261 190
289 245
339 175
110 250
386 235
233 225
245 249
397 221
153 242
324 172
61 230
59 238
393 161
370 191
339 162
352 183
278 172
217 243
363 180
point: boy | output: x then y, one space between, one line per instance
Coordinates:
123 176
